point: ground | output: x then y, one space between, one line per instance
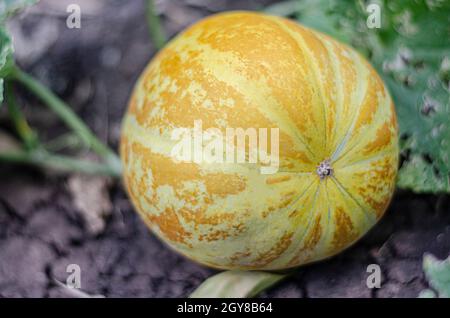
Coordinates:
43 230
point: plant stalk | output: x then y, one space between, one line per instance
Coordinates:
69 140
154 25
59 163
68 117
26 134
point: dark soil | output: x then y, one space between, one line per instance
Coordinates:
94 69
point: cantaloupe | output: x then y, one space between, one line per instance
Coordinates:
338 143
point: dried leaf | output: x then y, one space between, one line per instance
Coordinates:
8 143
91 198
75 293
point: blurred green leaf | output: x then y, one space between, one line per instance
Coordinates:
286 8
154 25
438 275
236 284
411 51
6 51
427 293
11 7
7 9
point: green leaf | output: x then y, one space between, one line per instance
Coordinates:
427 293
6 51
419 176
411 51
438 275
11 7
1 91
7 9
286 8
236 284
154 25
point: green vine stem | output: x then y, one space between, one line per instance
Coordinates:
26 134
154 25
69 140
59 163
69 118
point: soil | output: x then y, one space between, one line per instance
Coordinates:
94 69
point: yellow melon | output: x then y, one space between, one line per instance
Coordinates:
337 143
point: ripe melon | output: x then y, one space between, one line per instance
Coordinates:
338 143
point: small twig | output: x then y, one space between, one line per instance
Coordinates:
154 25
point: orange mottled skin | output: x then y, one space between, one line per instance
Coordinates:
251 70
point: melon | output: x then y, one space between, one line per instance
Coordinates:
336 144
